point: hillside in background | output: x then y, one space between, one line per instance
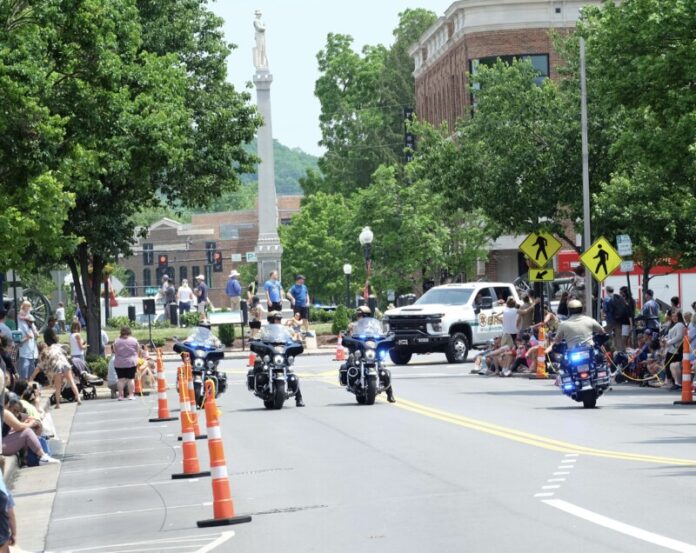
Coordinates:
290 165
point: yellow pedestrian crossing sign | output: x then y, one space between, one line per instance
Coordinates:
601 259
541 275
540 247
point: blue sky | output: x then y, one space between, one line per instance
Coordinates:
296 31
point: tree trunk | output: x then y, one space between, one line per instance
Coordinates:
87 287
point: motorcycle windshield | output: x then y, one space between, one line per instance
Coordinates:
203 337
367 327
276 334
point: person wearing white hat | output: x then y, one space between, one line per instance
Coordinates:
234 290
201 292
577 328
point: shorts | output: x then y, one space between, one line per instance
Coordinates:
201 307
303 311
126 372
276 306
508 340
625 330
254 324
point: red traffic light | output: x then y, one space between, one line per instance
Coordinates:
163 260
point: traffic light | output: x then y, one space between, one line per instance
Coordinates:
217 261
163 260
209 250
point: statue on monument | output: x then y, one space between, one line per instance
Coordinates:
260 59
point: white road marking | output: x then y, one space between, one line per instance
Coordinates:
566 467
116 513
572 454
548 494
134 485
120 451
554 487
202 537
556 480
156 548
101 469
560 473
222 539
113 430
571 461
621 527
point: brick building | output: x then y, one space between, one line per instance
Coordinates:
474 32
187 248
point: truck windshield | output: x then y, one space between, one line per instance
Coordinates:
446 296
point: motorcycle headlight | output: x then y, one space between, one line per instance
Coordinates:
266 359
370 355
210 364
199 353
198 364
278 359
291 360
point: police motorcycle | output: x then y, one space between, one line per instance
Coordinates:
583 370
272 378
364 373
205 352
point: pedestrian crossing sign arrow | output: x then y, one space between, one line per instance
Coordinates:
539 247
601 259
541 275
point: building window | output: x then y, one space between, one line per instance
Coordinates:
209 275
539 61
147 278
148 254
286 220
130 283
183 273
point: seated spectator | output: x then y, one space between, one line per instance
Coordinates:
8 523
146 368
520 362
6 347
484 361
655 364
18 435
31 401
295 325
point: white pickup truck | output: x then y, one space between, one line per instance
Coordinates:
450 319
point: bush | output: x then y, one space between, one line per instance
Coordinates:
161 324
98 365
315 315
159 342
118 322
341 318
189 319
226 334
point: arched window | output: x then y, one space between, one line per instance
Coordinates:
147 278
130 283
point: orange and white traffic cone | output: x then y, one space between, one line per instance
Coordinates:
340 352
687 397
162 405
252 359
223 507
192 468
541 373
190 398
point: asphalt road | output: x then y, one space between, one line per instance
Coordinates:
459 463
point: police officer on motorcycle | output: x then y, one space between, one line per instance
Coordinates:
577 328
276 317
363 312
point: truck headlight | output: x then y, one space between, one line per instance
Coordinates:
437 327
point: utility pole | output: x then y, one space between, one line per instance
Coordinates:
587 235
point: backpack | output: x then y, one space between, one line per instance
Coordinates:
620 309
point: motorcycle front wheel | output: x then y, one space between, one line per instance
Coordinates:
589 399
371 392
279 395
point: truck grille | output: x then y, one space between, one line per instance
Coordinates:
410 323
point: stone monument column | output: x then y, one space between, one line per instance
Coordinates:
268 248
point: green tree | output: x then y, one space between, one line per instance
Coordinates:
362 98
315 244
148 120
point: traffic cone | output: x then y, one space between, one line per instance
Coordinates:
223 507
687 396
541 373
162 405
189 399
189 451
252 359
340 352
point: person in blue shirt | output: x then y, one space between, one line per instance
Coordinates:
274 292
299 298
651 311
234 290
201 292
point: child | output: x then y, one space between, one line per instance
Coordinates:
520 362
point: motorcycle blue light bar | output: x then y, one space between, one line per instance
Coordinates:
578 356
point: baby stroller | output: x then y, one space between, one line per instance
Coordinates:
85 381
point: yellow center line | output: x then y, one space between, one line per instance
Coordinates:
534 439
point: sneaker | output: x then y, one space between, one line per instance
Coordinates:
48 460
507 372
131 398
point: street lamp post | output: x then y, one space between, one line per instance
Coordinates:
365 238
347 270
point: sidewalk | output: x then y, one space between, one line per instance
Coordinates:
34 488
